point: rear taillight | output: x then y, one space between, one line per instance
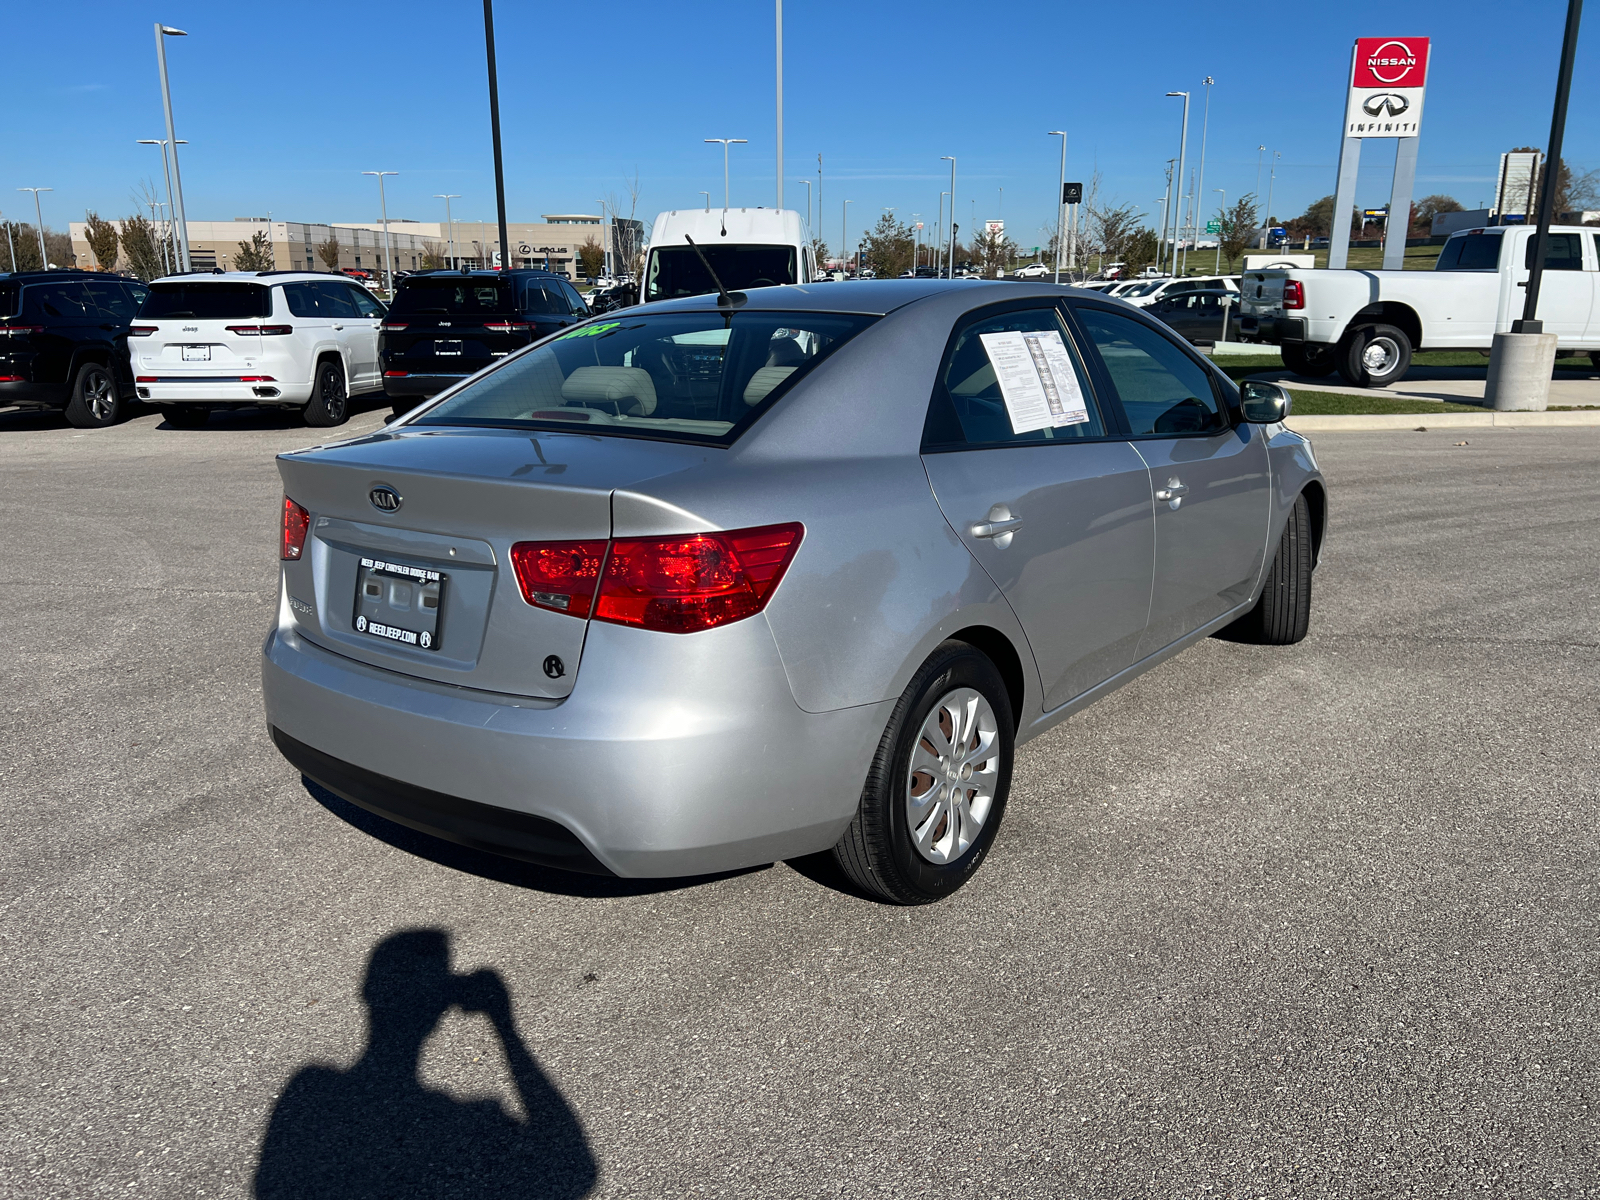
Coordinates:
686 584
395 326
508 326
20 330
296 521
142 330
257 379
560 576
1294 294
394 374
261 330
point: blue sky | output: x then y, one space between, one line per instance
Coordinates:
285 104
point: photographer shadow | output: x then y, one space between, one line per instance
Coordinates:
375 1130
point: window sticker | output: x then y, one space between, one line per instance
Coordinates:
1036 380
589 330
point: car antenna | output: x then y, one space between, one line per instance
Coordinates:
725 298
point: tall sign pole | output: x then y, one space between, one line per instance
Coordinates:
494 121
1388 77
1530 322
779 4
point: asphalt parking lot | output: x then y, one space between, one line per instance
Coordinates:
1296 922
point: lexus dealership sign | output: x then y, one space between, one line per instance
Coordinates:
1387 79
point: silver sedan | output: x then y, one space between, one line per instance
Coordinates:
726 580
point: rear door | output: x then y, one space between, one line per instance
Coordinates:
1210 480
68 317
368 325
1076 565
1566 290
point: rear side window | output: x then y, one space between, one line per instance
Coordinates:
466 296
544 299
60 301
1563 252
1163 391
336 300
8 299
366 304
1470 252
221 301
302 298
575 301
969 406
114 300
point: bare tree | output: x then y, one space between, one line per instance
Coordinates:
141 247
627 232
432 258
102 239
1107 229
992 250
328 252
24 245
254 255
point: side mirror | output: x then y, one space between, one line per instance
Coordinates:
1264 403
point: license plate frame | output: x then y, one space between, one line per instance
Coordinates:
392 603
197 354
447 349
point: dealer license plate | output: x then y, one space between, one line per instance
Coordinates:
197 354
399 603
448 348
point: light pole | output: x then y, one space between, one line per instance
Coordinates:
179 220
383 206
1272 182
604 244
938 240
494 129
1260 150
707 195
1223 213
1161 200
450 225
1061 197
166 172
844 230
778 25
1166 213
38 216
1200 187
726 142
951 261
11 245
1183 152
916 243
807 182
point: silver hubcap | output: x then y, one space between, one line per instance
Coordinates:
954 767
97 393
1380 355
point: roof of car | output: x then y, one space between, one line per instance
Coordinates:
483 273
246 276
874 297
60 273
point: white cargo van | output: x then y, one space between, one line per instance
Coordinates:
746 247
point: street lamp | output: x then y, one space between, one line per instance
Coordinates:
707 195
11 245
844 230
726 142
1223 212
1183 152
179 219
166 172
807 182
916 243
1260 150
383 205
938 244
1200 187
1061 197
951 263
449 223
1272 182
604 243
778 26
38 216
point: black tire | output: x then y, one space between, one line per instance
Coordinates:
1312 359
330 401
95 401
1594 359
877 851
1373 355
185 416
1282 615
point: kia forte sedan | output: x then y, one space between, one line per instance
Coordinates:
730 579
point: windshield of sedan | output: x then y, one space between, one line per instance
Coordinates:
678 271
697 377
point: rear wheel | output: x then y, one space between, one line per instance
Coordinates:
1283 614
1310 358
95 402
185 416
330 403
1374 355
1594 358
938 784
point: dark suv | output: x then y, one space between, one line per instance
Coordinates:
64 343
446 325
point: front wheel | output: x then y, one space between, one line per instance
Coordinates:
1282 616
1310 358
330 403
1374 355
937 787
95 402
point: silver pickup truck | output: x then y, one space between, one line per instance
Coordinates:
1367 324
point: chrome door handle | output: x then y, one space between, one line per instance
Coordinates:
1173 493
994 529
338 326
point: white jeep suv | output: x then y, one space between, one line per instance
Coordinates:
284 339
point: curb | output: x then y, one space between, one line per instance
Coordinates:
1441 420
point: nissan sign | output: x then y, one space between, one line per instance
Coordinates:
1387 78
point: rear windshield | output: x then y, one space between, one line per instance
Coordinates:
688 377
678 271
464 297
8 299
220 301
1470 252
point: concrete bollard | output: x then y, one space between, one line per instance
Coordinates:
1520 365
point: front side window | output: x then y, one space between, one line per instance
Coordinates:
61 301
970 406
1163 391
114 301
223 301
366 304
1563 252
698 377
678 271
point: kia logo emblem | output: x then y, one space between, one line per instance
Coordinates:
385 499
1388 103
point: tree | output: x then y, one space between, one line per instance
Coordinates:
254 255
1317 220
591 258
1238 228
328 252
23 244
819 252
432 258
887 247
1108 230
627 233
141 248
102 238
1138 251
992 250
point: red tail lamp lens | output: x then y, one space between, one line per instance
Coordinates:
560 576
686 584
1294 294
296 521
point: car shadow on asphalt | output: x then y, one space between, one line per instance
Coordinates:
376 1130
496 867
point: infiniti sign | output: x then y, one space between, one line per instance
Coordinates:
1388 104
385 498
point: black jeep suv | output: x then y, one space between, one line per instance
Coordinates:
64 343
446 325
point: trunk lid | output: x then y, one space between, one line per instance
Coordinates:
465 497
1261 293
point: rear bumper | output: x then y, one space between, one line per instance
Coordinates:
49 395
411 387
1273 329
673 755
223 390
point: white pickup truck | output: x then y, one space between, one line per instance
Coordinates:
1366 324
